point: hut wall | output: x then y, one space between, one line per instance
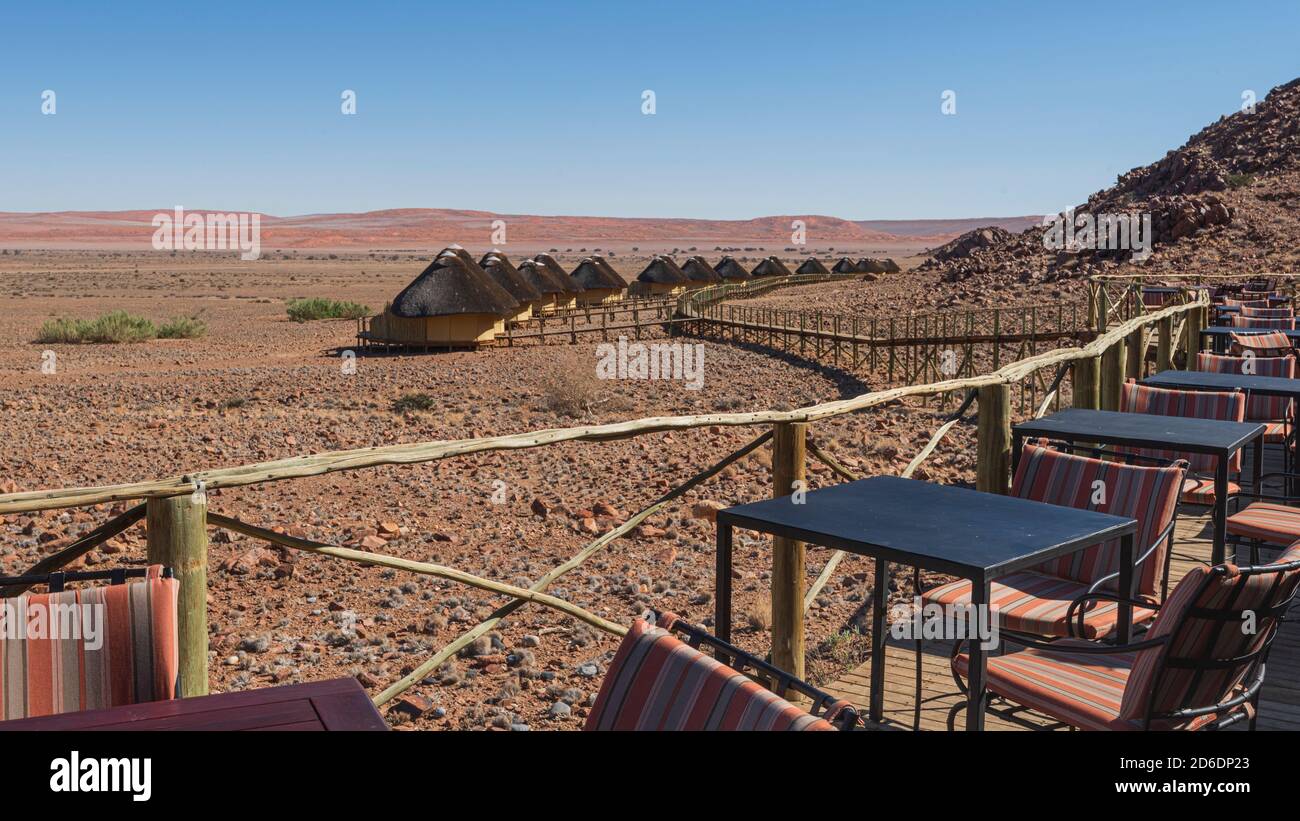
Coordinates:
459 329
600 296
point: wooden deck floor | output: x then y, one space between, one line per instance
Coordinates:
1279 703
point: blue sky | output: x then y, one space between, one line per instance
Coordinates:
762 108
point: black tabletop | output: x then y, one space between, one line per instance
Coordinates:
1254 383
979 536
1177 433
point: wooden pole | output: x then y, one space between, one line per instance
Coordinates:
1087 383
1164 344
1136 348
788 457
177 537
1112 376
993 440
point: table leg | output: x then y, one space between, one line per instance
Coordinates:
1258 471
979 599
722 585
1017 445
879 596
1220 508
1124 625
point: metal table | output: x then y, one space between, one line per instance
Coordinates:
977 536
1145 430
337 704
1220 335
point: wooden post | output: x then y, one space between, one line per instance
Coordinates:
993 440
1087 383
177 537
1135 347
1165 344
1112 376
788 457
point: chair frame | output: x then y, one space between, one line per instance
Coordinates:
57 579
774 678
1229 707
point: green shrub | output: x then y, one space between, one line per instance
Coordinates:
304 310
413 402
1239 180
183 327
60 330
118 327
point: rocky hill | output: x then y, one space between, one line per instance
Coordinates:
1227 200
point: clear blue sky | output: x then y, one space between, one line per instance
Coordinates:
762 107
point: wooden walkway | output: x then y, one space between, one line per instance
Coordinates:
1279 703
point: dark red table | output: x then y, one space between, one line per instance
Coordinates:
338 704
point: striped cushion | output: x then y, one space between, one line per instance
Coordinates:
1204 639
1268 313
1198 490
1035 603
133 659
1083 690
1146 493
1274 343
1276 432
1284 323
1258 408
1266 522
1228 406
657 682
1246 303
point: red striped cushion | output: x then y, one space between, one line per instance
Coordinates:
1266 522
1196 637
1258 408
1035 603
657 682
1198 490
1228 406
1246 303
60 671
1285 323
1267 313
1274 343
1146 493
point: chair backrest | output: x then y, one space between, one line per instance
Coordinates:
1271 343
657 682
1268 313
1246 303
101 647
1284 324
1225 406
1217 626
1148 494
1258 408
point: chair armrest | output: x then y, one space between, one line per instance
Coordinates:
1095 649
1099 596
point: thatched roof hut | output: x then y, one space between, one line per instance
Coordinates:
812 265
771 267
452 303
548 262
699 272
845 266
601 284
730 270
555 292
662 276
868 265
499 267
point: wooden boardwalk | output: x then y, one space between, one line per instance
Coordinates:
1279 703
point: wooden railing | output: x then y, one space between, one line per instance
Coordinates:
177 512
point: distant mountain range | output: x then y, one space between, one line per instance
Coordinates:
429 227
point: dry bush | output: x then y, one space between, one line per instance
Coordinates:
570 387
759 616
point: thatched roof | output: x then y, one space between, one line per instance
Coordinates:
507 276
697 270
450 286
548 262
845 266
591 274
728 268
812 265
540 278
771 267
604 263
664 271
